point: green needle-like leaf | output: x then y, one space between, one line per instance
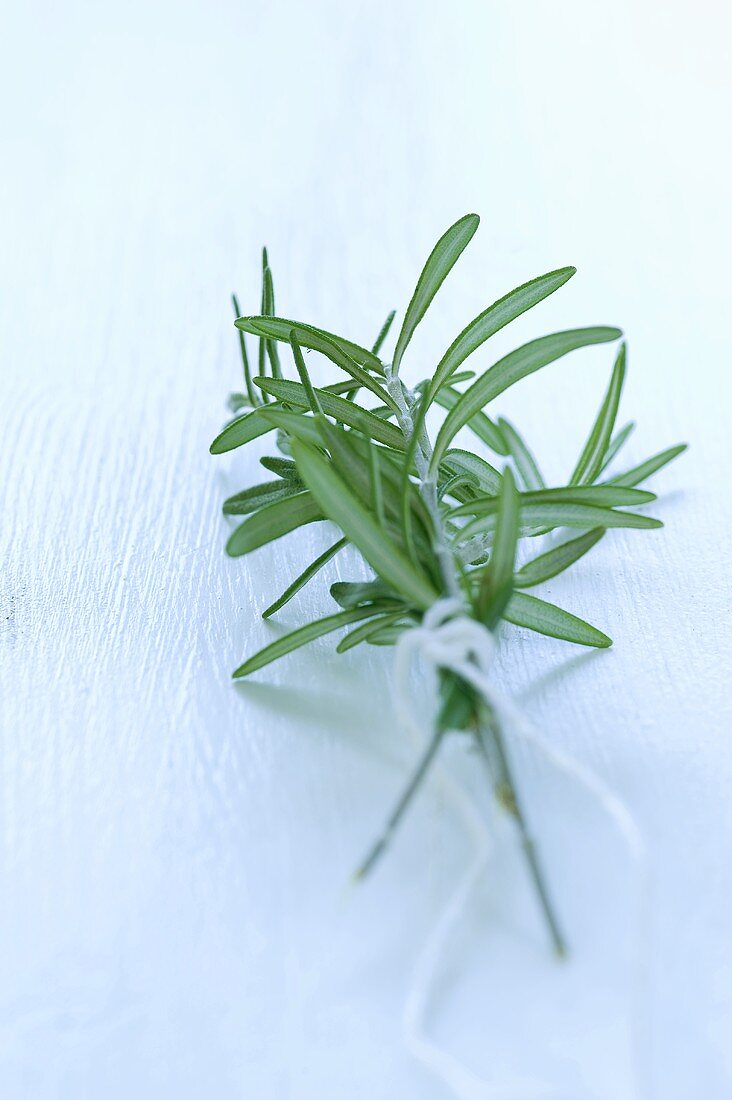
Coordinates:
555 561
268 308
608 496
551 514
303 578
526 464
650 466
353 593
374 427
297 638
511 369
497 582
292 424
363 632
493 319
302 370
479 424
441 260
617 442
273 521
546 618
487 477
249 500
279 328
360 527
283 467
254 397
240 431
383 333
593 454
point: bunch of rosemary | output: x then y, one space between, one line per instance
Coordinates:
430 519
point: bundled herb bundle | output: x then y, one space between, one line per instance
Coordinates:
434 521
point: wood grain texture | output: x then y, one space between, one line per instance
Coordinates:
175 849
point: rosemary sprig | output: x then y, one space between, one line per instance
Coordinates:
429 519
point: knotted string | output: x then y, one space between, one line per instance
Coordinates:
449 639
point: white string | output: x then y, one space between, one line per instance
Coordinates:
449 639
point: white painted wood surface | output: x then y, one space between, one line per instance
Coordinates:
174 920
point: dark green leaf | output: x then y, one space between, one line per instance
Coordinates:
383 333
254 398
440 262
279 328
565 515
650 466
353 593
249 500
522 456
593 454
608 496
268 308
289 642
497 582
487 477
360 527
295 424
283 467
503 311
306 575
363 632
273 521
617 442
555 561
546 618
240 431
479 424
293 393
509 370
302 370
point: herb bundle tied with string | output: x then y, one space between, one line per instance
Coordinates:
439 525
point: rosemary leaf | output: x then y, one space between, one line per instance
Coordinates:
650 466
487 477
497 582
547 618
440 262
240 431
511 369
526 464
364 632
297 638
283 467
272 522
599 495
501 313
295 394
617 442
383 333
555 561
564 515
360 527
254 398
302 579
279 328
480 424
241 504
595 449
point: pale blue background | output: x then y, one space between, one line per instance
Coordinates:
174 850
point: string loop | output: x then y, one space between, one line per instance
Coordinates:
449 639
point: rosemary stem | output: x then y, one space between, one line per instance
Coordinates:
406 797
508 797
